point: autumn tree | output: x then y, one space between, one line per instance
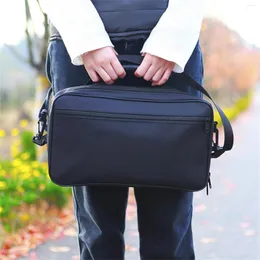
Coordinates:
231 66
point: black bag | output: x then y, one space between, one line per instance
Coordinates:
132 136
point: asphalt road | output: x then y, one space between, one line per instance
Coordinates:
225 224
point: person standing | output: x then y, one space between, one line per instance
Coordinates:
87 37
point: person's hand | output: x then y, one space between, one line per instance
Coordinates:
103 64
155 69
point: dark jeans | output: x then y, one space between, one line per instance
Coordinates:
164 215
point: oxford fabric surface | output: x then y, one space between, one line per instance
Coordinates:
164 215
126 136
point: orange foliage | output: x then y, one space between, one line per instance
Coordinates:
230 64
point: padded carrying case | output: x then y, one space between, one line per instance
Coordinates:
131 135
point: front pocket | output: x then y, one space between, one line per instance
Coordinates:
129 149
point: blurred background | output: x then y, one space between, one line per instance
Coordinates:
36 216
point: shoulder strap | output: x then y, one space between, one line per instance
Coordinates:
228 132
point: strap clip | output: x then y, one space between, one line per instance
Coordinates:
216 149
39 138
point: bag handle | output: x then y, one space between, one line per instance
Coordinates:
228 132
135 61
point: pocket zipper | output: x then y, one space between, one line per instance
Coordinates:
106 115
136 99
71 92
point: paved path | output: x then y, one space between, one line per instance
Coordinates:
225 224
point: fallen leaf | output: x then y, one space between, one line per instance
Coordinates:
131 199
208 240
70 232
33 256
130 217
134 233
200 208
5 257
219 228
46 223
250 232
131 209
58 249
130 248
245 224
228 184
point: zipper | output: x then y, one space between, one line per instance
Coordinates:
108 115
71 92
125 88
131 99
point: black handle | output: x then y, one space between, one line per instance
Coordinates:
130 68
130 62
132 59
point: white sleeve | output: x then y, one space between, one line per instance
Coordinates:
79 25
177 32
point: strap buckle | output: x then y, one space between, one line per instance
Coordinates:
216 149
39 138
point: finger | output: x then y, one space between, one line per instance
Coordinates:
110 71
158 75
93 75
151 72
103 74
118 68
164 78
143 68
